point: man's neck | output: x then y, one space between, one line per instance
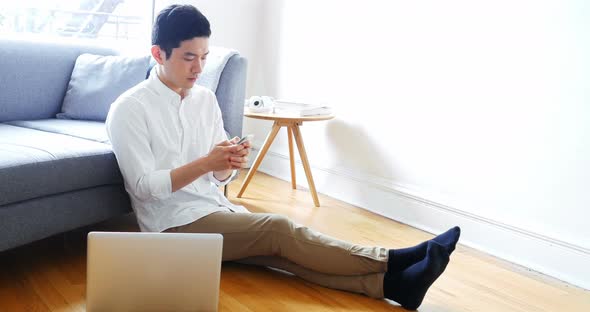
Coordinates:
180 91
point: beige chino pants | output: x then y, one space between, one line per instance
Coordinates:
275 241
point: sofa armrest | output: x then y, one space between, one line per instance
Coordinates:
231 93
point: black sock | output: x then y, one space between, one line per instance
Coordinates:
401 259
409 286
449 239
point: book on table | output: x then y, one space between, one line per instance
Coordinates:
300 109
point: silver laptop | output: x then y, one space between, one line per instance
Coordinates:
153 271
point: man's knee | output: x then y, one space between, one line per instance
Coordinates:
279 223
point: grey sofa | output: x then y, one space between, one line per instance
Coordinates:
57 175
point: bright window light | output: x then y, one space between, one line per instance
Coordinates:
109 20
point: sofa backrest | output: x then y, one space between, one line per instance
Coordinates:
34 76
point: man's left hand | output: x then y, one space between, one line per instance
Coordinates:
239 159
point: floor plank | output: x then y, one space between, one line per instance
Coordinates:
50 275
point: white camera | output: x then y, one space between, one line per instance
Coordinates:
260 104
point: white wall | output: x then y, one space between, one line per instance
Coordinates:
474 113
481 108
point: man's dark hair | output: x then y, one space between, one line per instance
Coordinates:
177 23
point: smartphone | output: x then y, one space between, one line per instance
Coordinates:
245 138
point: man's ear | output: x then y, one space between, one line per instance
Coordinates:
158 54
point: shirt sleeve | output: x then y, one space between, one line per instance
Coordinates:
219 135
213 179
128 132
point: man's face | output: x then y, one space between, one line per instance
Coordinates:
183 67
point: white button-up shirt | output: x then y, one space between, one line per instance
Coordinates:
153 131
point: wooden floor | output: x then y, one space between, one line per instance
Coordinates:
49 275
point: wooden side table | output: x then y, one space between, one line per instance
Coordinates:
292 124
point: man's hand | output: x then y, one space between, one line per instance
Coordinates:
237 158
226 156
221 160
241 157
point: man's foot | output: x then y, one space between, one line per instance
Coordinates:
409 287
401 259
449 239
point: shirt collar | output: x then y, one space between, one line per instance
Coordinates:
162 89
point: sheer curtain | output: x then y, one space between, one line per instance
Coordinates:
120 21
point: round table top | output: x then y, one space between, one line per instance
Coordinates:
286 117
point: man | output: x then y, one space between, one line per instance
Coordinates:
173 153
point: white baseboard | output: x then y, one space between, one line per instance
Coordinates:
546 255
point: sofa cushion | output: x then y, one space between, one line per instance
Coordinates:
34 219
35 75
36 163
97 81
85 129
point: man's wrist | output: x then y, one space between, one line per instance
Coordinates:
222 175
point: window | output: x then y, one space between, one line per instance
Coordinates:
112 20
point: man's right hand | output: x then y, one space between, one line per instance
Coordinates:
223 156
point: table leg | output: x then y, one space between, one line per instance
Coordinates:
271 136
291 157
303 154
